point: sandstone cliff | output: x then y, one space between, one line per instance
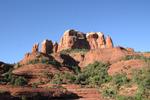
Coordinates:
73 39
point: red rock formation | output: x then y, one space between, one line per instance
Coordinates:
72 39
92 39
47 47
109 42
101 40
67 40
126 66
55 47
35 48
107 55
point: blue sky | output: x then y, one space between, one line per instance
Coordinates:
25 22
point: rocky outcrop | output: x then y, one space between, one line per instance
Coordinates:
92 39
101 40
96 40
35 48
126 66
47 47
30 58
73 39
55 47
109 42
107 55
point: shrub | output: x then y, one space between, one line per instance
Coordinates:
141 57
120 79
63 78
94 74
76 69
48 75
14 80
57 79
139 77
20 81
35 61
55 63
24 98
109 92
45 61
7 77
67 51
125 98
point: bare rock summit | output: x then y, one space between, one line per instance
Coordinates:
73 39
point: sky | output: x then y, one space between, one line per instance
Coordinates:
25 22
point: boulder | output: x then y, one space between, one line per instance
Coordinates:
47 47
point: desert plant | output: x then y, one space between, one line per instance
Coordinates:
63 78
109 92
20 81
140 57
120 97
13 79
24 98
67 51
57 79
120 79
94 74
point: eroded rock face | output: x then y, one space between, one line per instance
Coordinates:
35 48
107 55
92 39
47 47
101 40
55 47
126 66
109 42
73 39
96 40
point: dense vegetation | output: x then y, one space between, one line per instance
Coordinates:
68 51
9 78
45 61
92 75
